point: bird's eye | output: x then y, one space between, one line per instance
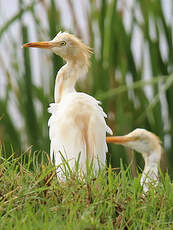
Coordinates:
63 43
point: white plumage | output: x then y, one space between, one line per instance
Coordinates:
77 123
149 145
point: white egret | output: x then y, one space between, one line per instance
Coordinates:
77 124
149 145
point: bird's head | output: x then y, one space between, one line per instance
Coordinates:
141 141
66 46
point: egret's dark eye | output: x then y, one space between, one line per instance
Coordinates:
63 43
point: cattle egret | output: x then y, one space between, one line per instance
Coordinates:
149 145
77 123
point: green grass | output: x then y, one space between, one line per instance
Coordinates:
32 198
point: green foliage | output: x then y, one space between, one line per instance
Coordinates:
32 198
114 57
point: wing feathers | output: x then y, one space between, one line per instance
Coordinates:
77 124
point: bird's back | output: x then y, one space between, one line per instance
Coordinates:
77 125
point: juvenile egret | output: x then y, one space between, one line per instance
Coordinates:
77 123
149 145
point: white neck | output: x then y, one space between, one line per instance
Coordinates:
67 77
150 173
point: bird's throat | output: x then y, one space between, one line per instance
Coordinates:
67 77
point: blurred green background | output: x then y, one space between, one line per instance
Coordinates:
131 71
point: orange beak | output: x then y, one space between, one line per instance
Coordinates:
43 45
119 139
